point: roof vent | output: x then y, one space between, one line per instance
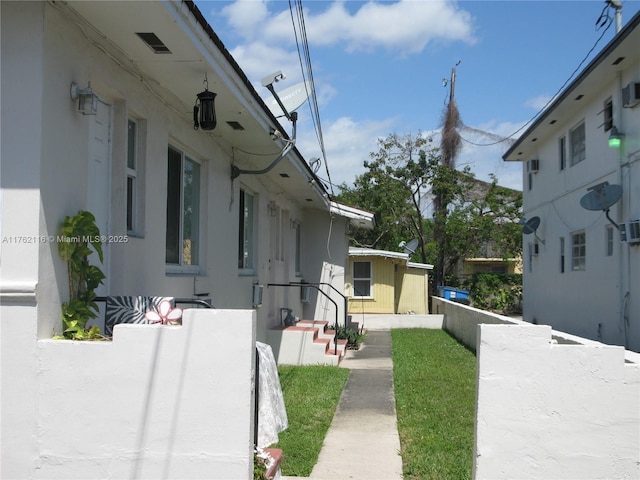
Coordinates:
235 125
153 42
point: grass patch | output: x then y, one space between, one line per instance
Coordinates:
434 380
311 395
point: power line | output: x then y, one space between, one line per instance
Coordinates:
305 66
603 19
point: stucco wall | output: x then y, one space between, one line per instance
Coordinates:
549 404
549 411
600 302
157 402
44 178
462 321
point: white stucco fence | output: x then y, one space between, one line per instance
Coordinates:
156 402
549 405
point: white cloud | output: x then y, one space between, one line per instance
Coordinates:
258 60
246 17
485 158
539 102
348 144
405 26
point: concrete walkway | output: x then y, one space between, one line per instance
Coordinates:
362 442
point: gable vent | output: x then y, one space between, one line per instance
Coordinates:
153 42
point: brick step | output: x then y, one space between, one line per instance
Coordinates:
276 454
313 333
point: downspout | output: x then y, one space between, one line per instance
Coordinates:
622 293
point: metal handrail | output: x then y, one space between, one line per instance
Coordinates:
297 284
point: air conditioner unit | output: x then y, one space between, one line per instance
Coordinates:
257 295
631 95
533 165
633 231
305 294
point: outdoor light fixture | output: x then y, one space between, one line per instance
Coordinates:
615 138
204 112
87 99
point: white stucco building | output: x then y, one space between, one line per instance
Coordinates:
176 222
582 267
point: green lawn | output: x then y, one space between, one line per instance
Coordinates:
311 395
434 382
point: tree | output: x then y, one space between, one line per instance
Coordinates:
395 189
403 178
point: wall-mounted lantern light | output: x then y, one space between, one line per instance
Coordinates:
615 138
87 99
204 112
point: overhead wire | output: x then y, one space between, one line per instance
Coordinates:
304 58
603 19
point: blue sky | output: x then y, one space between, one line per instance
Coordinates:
379 67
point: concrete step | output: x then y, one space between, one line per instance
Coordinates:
306 343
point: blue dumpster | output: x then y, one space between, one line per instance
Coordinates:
454 294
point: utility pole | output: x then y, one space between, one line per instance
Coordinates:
449 146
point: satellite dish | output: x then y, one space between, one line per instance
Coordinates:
531 225
409 248
292 98
601 197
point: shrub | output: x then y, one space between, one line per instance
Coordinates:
501 292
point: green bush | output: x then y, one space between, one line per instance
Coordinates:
501 292
353 337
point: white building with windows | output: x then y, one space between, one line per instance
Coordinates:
582 255
97 115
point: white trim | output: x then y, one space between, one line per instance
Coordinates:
18 292
362 218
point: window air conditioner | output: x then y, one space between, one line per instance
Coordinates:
533 165
631 95
305 294
633 231
257 295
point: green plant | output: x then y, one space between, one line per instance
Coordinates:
76 234
492 291
353 337
259 467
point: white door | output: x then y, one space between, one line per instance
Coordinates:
99 182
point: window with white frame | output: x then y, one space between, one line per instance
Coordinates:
183 209
608 239
362 279
578 250
132 174
246 247
577 144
